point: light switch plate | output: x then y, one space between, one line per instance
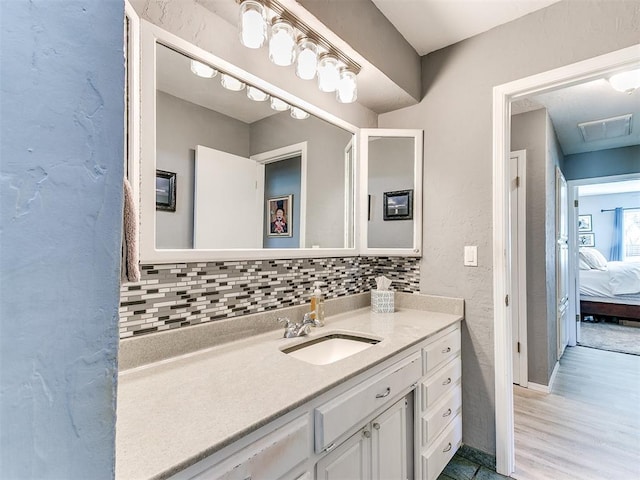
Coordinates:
471 256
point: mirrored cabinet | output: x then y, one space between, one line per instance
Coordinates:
232 167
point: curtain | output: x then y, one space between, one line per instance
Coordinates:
616 245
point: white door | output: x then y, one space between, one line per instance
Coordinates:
517 198
562 261
228 200
389 444
350 461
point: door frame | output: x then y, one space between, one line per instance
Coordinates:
284 153
580 72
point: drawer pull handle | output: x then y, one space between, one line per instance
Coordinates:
448 448
447 381
376 426
330 447
366 434
447 413
385 394
446 350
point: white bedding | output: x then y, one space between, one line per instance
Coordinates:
620 278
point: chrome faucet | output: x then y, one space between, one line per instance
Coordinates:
310 319
292 330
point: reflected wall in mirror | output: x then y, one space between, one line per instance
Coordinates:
232 153
391 165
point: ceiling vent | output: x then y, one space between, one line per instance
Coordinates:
606 128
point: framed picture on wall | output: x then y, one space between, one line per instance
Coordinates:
584 223
587 239
280 221
398 205
165 191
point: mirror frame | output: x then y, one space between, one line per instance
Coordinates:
364 135
150 35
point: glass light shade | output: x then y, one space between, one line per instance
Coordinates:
279 105
231 83
626 81
253 24
256 95
347 91
282 44
298 113
328 73
307 62
202 70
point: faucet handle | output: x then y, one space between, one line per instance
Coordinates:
285 320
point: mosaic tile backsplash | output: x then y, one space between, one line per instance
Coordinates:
184 294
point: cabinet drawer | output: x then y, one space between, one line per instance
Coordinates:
343 412
436 458
440 383
441 351
439 416
271 457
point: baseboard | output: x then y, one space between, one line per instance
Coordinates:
545 388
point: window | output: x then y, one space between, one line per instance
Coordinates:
631 235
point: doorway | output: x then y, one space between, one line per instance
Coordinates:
597 67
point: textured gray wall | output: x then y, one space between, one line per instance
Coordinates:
325 170
182 125
615 161
455 113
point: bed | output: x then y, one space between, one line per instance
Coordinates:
610 290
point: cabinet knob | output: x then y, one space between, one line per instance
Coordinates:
447 381
366 433
446 350
376 426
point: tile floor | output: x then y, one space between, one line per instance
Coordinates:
471 464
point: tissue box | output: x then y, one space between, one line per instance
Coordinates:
382 301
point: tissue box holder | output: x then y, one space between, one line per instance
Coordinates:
382 301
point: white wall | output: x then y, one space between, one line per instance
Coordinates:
455 113
602 222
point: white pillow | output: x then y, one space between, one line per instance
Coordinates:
584 265
593 258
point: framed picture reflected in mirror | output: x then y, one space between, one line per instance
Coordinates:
165 191
398 205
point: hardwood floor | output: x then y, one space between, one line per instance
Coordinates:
588 427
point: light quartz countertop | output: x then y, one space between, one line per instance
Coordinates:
175 412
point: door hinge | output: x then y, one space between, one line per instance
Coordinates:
577 318
517 181
575 203
518 346
506 300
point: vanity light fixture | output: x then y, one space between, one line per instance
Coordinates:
256 95
282 43
231 83
328 73
626 82
253 24
307 63
298 113
203 70
279 105
347 91
285 28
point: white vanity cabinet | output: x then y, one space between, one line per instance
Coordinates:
398 420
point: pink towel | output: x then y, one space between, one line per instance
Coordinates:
130 269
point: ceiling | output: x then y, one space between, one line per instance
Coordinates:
429 25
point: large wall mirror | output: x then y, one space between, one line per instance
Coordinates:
240 170
391 192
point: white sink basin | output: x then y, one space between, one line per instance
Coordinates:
330 348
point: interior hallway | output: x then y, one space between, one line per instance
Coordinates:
588 427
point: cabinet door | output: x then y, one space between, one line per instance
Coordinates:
350 461
389 444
